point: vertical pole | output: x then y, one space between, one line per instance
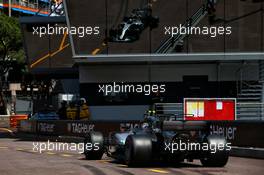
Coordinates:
218 78
187 15
150 50
106 26
241 78
262 101
224 25
13 93
261 62
1 96
9 8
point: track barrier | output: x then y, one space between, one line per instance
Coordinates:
4 121
239 133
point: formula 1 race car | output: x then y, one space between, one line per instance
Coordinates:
160 138
131 27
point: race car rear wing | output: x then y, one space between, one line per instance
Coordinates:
184 125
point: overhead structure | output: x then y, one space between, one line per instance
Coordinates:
170 44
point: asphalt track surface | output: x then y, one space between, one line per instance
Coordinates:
18 157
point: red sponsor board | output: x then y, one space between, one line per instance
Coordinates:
15 119
209 109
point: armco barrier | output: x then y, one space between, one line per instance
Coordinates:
239 133
81 128
72 128
28 126
15 120
4 121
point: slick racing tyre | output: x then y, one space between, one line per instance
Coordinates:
94 146
217 158
138 150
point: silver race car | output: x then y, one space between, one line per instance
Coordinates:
158 138
131 27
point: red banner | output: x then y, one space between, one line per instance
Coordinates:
209 109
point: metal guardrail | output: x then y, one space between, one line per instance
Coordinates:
11 121
170 109
244 111
33 5
26 4
4 121
250 111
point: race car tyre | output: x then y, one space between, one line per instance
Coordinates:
138 150
94 146
215 157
